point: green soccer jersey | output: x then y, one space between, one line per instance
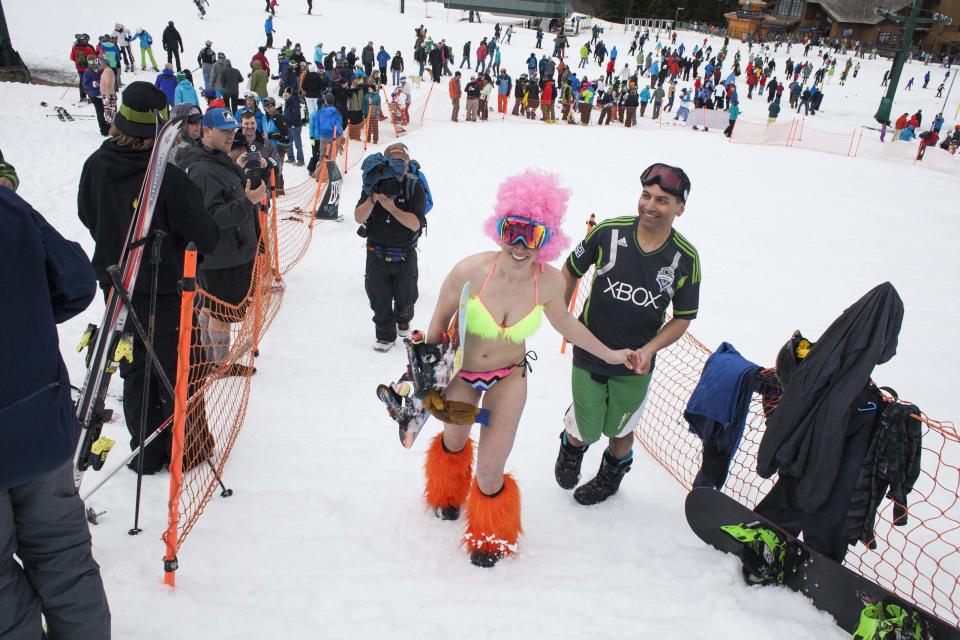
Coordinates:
632 289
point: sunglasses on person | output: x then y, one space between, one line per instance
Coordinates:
532 234
671 179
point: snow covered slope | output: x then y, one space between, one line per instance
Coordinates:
326 535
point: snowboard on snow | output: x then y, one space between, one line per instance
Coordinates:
832 587
329 207
429 367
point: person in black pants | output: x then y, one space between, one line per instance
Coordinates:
110 181
172 43
42 519
391 208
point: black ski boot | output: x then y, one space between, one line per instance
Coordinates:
567 468
606 482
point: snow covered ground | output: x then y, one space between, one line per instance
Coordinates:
326 535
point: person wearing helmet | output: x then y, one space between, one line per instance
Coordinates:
80 55
191 132
123 37
206 59
643 265
511 290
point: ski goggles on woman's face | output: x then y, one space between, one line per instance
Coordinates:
671 179
532 234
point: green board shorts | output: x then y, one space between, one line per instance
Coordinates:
605 406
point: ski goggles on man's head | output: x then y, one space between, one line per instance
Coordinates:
514 229
671 179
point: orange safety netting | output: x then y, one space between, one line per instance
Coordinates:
919 561
220 341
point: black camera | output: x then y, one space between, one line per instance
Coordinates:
251 166
389 187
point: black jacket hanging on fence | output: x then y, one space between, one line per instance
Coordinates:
892 462
805 435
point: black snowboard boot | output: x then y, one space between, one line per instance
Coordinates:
606 482
567 468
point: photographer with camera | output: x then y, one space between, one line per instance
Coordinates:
278 136
391 211
231 196
256 141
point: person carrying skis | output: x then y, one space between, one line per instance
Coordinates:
111 179
511 289
643 266
54 574
123 37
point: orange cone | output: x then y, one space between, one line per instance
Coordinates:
448 476
493 523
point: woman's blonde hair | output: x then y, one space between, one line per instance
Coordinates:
123 140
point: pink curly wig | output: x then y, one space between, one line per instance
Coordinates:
536 195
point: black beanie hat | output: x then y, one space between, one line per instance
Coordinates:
142 105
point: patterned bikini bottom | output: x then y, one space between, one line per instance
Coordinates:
484 380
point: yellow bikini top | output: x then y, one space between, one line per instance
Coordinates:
481 323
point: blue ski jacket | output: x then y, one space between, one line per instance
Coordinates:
326 123
52 280
185 93
717 410
167 82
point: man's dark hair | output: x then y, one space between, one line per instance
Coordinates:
247 114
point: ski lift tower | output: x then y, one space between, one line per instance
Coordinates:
906 42
12 68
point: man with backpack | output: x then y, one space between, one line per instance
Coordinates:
80 55
391 210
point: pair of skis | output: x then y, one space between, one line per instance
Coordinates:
110 343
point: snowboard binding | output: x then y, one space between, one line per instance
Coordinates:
767 557
879 621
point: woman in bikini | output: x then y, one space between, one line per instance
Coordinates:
511 290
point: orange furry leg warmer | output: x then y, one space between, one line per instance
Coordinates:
448 474
493 522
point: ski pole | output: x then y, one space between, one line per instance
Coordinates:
158 236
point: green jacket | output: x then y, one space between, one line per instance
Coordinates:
258 79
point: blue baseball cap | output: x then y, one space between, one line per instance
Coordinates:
220 118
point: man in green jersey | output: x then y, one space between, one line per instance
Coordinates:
642 266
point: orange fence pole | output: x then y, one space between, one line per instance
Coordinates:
276 242
257 297
426 101
180 413
591 223
366 128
